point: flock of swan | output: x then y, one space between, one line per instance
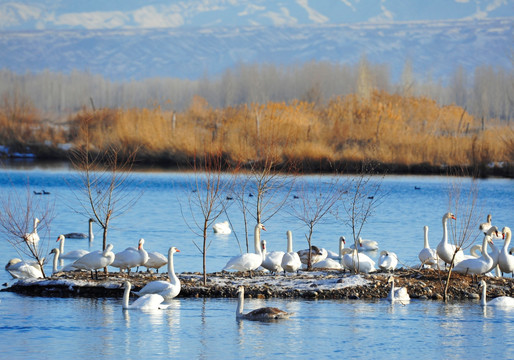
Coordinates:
156 294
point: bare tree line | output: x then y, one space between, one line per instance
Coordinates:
487 92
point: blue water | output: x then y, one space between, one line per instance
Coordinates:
44 328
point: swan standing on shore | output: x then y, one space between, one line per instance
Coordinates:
20 269
481 265
500 301
156 260
32 238
248 261
428 256
95 260
445 250
339 255
317 255
291 261
272 260
167 289
131 257
222 228
397 294
265 313
146 302
505 259
358 262
387 260
77 235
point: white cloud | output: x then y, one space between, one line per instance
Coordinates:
313 14
386 14
251 9
349 4
462 1
149 17
13 14
495 4
281 18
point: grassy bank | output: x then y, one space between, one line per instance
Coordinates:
403 134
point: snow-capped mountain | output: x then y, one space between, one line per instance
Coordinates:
187 39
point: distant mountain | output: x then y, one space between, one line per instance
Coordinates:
433 47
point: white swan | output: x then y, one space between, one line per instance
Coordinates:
222 228
32 238
505 259
317 255
445 250
156 260
95 260
500 301
358 262
20 269
167 289
339 255
77 235
495 252
70 255
428 256
366 245
485 226
477 266
146 302
131 257
248 261
272 260
328 263
387 260
291 261
397 294
265 313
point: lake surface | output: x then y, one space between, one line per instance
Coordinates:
47 328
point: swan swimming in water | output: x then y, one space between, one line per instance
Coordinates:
146 302
397 294
290 261
248 261
167 289
500 301
263 314
131 257
222 228
77 235
272 260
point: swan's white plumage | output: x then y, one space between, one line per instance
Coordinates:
146 302
317 255
20 269
365 245
397 294
505 259
167 289
290 261
428 256
248 261
70 255
222 228
445 250
272 260
480 265
358 262
387 260
339 255
156 260
32 238
131 257
501 301
95 260
328 263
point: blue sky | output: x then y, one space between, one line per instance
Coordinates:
127 14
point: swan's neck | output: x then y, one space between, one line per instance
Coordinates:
507 241
56 260
391 294
289 242
485 254
91 236
445 230
240 304
341 248
35 226
426 238
126 295
483 301
61 246
257 240
171 269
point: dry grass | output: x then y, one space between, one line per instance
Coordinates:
383 127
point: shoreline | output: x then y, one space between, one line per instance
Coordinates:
425 284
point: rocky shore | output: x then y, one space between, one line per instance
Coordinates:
426 284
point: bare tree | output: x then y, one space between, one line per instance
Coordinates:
105 180
208 198
363 197
316 199
23 219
